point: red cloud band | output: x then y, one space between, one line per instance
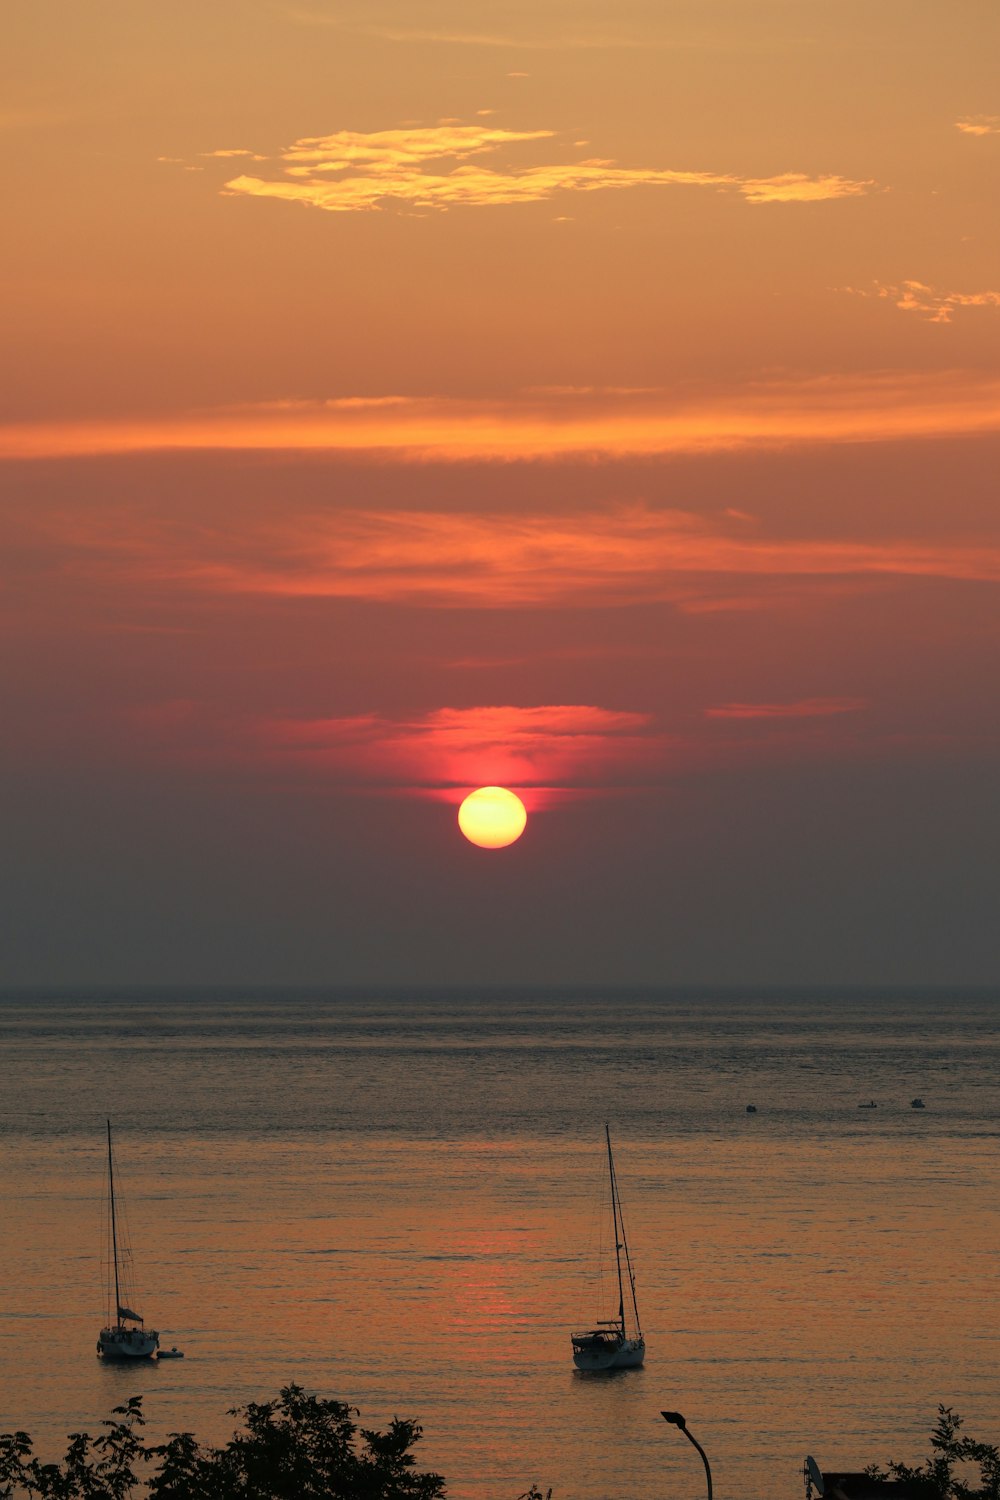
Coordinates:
451 750
802 708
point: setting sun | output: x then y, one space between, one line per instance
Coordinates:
492 817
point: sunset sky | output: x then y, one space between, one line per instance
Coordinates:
599 400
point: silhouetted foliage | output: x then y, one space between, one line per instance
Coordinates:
937 1479
297 1447
100 1468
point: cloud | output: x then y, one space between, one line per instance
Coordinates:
802 708
465 36
541 751
796 187
394 152
934 306
979 125
446 560
435 167
455 749
224 153
523 560
31 117
556 424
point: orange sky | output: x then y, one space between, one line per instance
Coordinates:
601 400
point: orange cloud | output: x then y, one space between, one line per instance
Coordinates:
936 307
233 151
547 425
353 171
391 152
802 708
503 560
519 560
458 36
979 125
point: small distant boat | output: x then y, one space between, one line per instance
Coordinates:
171 1353
610 1346
917 1104
126 1335
751 1109
870 1105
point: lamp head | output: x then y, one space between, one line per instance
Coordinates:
676 1418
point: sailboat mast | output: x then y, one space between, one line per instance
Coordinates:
616 1196
616 1216
114 1232
631 1273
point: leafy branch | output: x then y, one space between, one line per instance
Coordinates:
296 1447
939 1477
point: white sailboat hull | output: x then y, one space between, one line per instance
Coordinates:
626 1354
127 1343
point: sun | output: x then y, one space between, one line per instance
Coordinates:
492 817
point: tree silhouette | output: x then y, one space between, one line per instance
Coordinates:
296 1447
937 1479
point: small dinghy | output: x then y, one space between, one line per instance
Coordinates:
917 1104
173 1353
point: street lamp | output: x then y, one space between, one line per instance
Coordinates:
678 1421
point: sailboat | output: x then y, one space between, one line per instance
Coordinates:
126 1336
611 1345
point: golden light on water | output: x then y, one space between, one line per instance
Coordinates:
492 817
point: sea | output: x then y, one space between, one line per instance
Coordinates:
399 1198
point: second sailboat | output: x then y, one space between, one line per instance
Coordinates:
612 1345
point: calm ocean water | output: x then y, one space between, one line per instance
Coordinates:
395 1199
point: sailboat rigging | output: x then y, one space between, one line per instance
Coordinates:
126 1335
611 1346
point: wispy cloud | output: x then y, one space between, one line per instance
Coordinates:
31 117
518 561
930 304
225 152
572 38
544 752
557 424
502 561
395 152
437 167
455 749
801 708
979 125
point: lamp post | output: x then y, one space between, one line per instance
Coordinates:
678 1421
